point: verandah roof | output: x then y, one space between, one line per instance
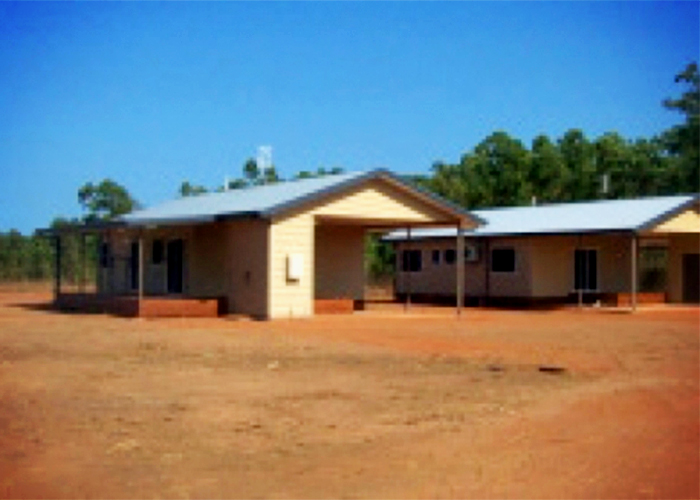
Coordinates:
567 218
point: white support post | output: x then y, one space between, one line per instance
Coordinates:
407 267
580 285
633 294
57 284
83 264
460 269
140 272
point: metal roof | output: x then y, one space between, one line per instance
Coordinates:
567 218
264 201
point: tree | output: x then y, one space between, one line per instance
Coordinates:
683 141
237 184
269 175
251 172
187 189
105 200
579 154
548 175
380 258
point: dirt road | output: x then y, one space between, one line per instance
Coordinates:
373 405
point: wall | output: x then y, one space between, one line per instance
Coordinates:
207 250
247 272
440 278
679 244
685 222
544 267
377 200
553 263
339 259
293 235
518 283
116 279
370 203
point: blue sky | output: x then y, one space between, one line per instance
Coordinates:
151 94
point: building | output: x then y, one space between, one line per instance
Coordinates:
275 251
613 251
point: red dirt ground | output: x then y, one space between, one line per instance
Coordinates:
378 404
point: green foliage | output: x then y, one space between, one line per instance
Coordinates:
320 172
187 189
105 200
380 259
683 141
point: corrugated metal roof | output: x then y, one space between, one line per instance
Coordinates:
265 201
254 200
566 218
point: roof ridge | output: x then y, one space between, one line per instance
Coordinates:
589 202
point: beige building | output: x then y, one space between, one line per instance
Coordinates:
274 251
618 251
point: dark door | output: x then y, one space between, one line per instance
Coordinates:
134 265
175 260
586 270
691 277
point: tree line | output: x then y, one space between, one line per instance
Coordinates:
500 171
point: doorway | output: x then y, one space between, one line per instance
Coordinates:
175 266
691 277
134 265
586 270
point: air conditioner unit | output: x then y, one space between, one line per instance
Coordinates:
471 252
295 266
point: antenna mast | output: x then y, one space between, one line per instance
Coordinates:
264 158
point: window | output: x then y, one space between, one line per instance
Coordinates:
104 255
586 270
450 256
412 261
157 252
503 260
436 257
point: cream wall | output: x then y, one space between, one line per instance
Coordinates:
291 236
544 267
553 263
440 279
247 273
679 244
518 283
370 203
339 262
685 222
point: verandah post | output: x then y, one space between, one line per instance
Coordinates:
83 263
57 283
460 269
633 294
140 273
406 267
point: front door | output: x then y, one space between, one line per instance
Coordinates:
134 265
691 277
586 270
175 266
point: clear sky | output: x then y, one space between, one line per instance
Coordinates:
151 94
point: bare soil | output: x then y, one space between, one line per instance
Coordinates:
378 404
